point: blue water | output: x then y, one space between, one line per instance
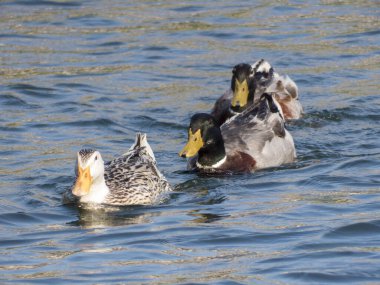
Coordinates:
80 74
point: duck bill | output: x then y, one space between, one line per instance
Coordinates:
194 144
83 182
241 93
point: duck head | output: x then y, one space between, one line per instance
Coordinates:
204 139
263 76
242 86
89 168
248 82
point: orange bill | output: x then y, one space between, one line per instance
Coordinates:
83 182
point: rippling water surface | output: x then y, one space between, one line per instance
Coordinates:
92 73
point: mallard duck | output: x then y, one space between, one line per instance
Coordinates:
131 179
238 97
251 140
248 83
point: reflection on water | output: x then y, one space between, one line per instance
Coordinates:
106 216
205 217
78 74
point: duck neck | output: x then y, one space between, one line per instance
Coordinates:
98 191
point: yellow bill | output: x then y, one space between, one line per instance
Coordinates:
193 145
83 183
240 98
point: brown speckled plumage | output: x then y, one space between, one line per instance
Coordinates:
133 179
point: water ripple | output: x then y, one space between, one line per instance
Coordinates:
91 74
34 91
355 230
46 3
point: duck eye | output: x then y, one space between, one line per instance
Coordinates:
96 157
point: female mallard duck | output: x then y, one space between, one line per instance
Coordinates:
252 140
131 179
248 83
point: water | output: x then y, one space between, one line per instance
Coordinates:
92 73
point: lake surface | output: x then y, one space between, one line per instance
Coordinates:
80 74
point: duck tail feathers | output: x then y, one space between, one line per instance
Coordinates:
289 86
284 85
141 141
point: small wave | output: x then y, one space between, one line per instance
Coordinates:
76 86
157 125
318 277
156 48
102 122
356 229
34 91
111 44
18 218
12 100
220 35
188 8
358 35
48 3
92 20
20 36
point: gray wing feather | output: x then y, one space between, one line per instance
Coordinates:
250 130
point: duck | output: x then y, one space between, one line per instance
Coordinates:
130 179
252 140
248 83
